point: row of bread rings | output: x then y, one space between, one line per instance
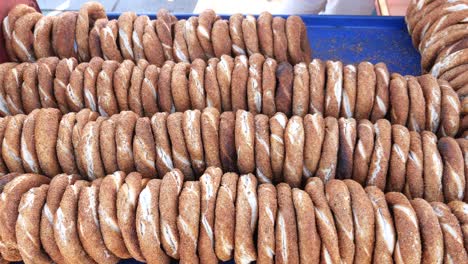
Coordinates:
439 31
256 84
30 36
222 217
276 149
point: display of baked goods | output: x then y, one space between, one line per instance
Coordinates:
88 33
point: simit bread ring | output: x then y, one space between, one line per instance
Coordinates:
87 16
269 87
106 101
463 143
379 162
277 127
244 141
267 208
162 143
237 37
453 169
180 50
450 110
108 39
62 78
294 151
339 201
433 168
206 20
124 132
125 25
12 82
225 216
194 47
95 49
152 46
213 93
246 219
88 225
328 160
137 36
280 41
366 85
433 95
262 149
188 221
350 88
147 215
63 35
191 127
398 158
29 92
45 80
284 89
89 83
454 73
165 101
249 32
239 87
107 144
381 102
300 104
3 125
144 150
298 43
364 149
220 38
196 84
4 68
89 152
149 90
107 212
28 144
209 123
265 34
171 187
414 186
224 71
121 83
74 92
317 70
453 60
417 113
227 151
334 89
8 25
314 133
134 93
11 145
458 209
399 100
180 153
23 37
179 86
209 185
287 248
347 140
254 83
164 27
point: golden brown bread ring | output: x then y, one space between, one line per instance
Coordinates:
454 73
225 213
89 83
209 185
8 25
280 40
196 84
134 93
106 100
385 236
23 37
235 30
265 34
453 169
463 143
63 35
149 91
453 236
107 144
27 225
143 148
11 145
246 219
431 233
4 68
398 158
147 215
165 101
250 35
422 8
191 126
152 46
82 118
267 209
414 186
89 152
57 187
399 100
107 212
87 16
28 145
433 168
164 162
10 201
165 24
3 124
269 87
294 140
108 39
244 141
95 49
188 221
339 200
450 110
209 123
453 60
326 169
348 103
206 20
74 92
381 102
124 133
446 51
317 71
220 38
366 85
284 90
127 199
459 82
459 210
171 187
334 89
417 112
29 92
364 149
179 86
121 81
180 50
125 24
227 150
287 248
12 82
314 133
224 71
262 149
432 94
277 127
137 36
379 162
194 47
298 43
239 87
347 140
180 154
88 225
300 104
254 83
213 93
62 78
325 221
